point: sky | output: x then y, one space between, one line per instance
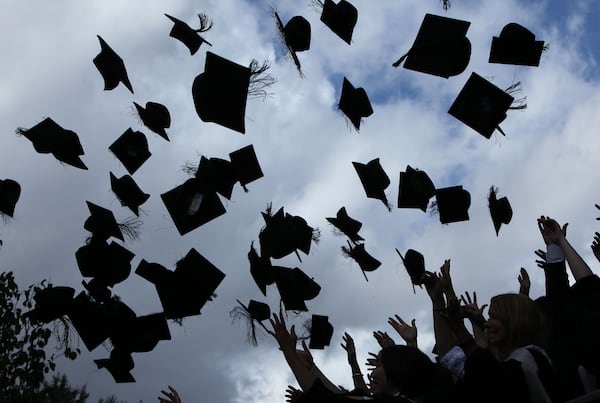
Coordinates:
546 165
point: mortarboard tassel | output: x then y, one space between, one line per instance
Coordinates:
259 80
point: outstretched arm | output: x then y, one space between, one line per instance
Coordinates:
357 376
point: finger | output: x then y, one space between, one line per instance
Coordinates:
475 297
483 308
413 323
293 331
463 300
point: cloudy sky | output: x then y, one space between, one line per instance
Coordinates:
547 164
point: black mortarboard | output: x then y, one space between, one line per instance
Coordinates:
184 291
354 103
341 18
516 45
90 320
49 137
441 47
321 332
10 191
295 287
155 117
140 334
283 234
255 311
190 205
111 67
245 164
481 105
374 179
131 148
108 263
360 255
220 93
414 262
295 35
128 192
102 222
261 270
217 174
500 209
347 225
415 189
51 303
98 290
453 204
187 35
119 365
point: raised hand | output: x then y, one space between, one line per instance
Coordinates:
169 397
383 339
292 394
524 282
551 230
596 244
287 339
433 285
542 255
406 331
471 310
348 345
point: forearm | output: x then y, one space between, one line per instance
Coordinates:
303 374
357 376
578 266
444 336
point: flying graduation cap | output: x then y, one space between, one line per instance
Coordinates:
414 262
128 192
321 332
500 209
295 35
295 287
415 189
102 222
359 254
354 103
347 225
245 165
51 303
108 264
131 148
119 365
516 45
261 270
255 311
341 18
189 36
111 67
10 191
90 320
441 47
49 137
374 180
155 117
453 204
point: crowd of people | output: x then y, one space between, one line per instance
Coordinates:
542 350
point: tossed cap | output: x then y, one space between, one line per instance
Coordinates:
190 205
119 365
189 36
111 67
516 45
245 164
261 270
360 255
255 311
481 105
414 262
131 148
295 35
453 204
295 287
108 263
415 189
341 18
51 303
128 192
221 91
140 334
218 175
284 233
354 103
155 117
90 320
321 332
347 225
441 47
10 191
500 209
374 179
102 222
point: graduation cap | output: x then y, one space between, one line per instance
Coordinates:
261 270
415 189
441 47
189 36
90 320
245 164
354 103
128 192
108 263
295 287
155 117
51 303
131 148
255 311
184 291
191 205
140 334
341 18
516 45
119 365
347 225
481 105
295 35
453 204
321 332
220 93
359 254
102 222
10 191
218 175
97 289
49 137
500 209
374 180
414 262
111 67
